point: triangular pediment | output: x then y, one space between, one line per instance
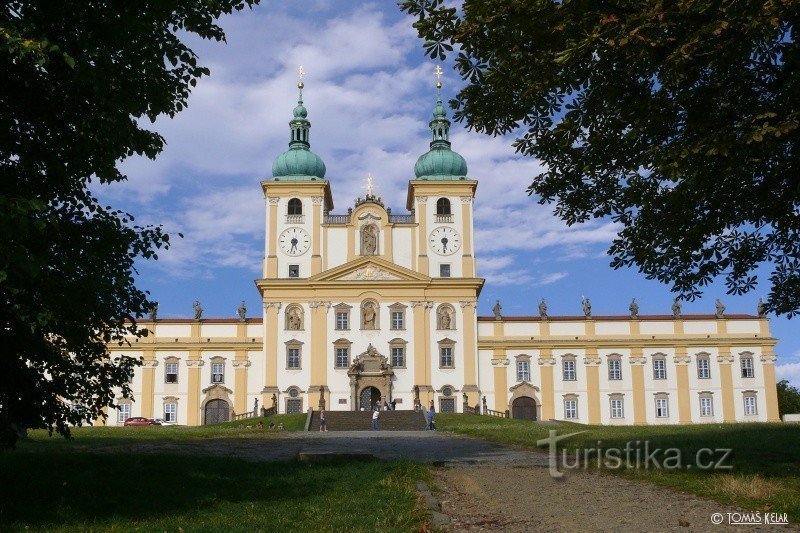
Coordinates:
369 269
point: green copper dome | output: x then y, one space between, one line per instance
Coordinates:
440 162
299 163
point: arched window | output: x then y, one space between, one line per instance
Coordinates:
295 207
443 206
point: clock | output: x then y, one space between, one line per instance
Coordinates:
445 241
294 241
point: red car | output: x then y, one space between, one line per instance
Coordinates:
140 421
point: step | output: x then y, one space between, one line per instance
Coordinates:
362 421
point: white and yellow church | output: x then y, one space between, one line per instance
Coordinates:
370 306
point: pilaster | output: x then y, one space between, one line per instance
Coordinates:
638 361
546 364
725 360
149 365
272 237
500 367
193 399
240 366
682 377
470 351
591 363
770 385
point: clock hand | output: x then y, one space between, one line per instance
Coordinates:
444 244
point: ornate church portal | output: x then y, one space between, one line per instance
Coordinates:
370 380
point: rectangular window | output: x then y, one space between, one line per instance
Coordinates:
170 412
750 405
614 369
342 320
571 409
217 372
342 357
703 368
662 408
747 367
398 356
444 271
294 271
659 369
398 320
569 370
446 356
523 370
171 370
123 412
616 408
293 358
706 406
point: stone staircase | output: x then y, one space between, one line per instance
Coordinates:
362 421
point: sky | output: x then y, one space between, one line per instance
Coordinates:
369 90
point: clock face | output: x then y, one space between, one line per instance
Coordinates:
294 241
445 241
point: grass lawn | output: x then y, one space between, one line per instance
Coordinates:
765 460
49 484
87 437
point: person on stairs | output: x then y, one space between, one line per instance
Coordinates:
376 414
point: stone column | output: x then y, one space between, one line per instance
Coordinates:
682 375
638 361
240 365
725 359
319 345
149 365
193 415
500 367
271 355
546 364
470 351
770 386
591 363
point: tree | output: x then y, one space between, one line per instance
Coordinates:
788 398
79 81
677 120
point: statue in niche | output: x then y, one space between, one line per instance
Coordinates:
445 318
369 240
676 308
293 319
720 312
634 307
242 311
198 310
543 309
369 316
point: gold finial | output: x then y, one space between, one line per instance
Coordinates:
438 73
369 184
301 73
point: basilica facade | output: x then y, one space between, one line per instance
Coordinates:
367 307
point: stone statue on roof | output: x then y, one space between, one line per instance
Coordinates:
587 307
543 309
761 308
242 311
676 308
198 310
634 307
497 309
720 312
154 311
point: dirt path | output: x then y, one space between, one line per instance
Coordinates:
495 498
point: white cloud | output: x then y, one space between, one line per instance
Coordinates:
788 371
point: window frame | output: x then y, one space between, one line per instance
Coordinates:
571 408
293 203
706 405
747 366
167 364
523 369
173 411
444 206
397 344
450 345
291 346
442 267
573 371
616 412
750 398
703 367
659 373
220 364
294 269
123 407
615 368
664 412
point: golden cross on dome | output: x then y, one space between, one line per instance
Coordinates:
301 73
438 73
369 184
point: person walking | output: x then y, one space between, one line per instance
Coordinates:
429 415
394 405
323 422
376 414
